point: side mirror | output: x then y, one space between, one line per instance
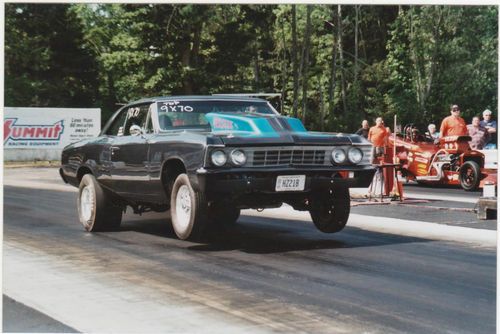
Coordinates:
135 130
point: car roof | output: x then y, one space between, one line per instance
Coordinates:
199 98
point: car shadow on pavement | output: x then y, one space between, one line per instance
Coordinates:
263 235
156 224
252 234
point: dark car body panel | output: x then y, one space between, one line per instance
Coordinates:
134 170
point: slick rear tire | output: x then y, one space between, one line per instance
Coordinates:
469 175
188 209
330 214
95 208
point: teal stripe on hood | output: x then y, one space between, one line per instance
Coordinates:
260 126
241 125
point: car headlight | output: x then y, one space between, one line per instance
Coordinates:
355 155
338 156
238 157
218 158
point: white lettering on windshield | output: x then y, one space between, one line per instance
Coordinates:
174 106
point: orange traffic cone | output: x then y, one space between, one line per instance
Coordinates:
397 190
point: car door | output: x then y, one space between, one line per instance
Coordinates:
129 154
111 131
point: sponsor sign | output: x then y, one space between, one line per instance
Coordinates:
42 133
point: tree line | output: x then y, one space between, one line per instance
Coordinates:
334 65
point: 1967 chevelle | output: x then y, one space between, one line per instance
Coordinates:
205 158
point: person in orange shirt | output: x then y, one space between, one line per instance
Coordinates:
378 135
453 125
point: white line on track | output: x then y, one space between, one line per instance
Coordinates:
434 231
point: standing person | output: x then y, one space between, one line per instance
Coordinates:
432 133
453 125
378 135
491 127
363 131
478 134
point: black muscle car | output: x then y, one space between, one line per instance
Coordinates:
205 158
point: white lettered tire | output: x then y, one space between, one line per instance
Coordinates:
188 210
95 210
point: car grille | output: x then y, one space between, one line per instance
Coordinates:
286 157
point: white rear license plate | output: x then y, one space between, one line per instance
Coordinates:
290 182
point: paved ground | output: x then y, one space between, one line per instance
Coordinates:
19 318
440 204
429 212
272 272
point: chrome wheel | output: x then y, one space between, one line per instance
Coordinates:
87 203
470 175
183 208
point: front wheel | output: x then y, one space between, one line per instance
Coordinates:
469 175
188 210
95 208
330 213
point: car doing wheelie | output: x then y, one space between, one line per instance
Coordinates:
205 158
448 160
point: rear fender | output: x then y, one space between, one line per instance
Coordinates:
87 168
475 156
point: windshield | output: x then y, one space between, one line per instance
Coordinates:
175 114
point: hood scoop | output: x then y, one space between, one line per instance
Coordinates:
256 129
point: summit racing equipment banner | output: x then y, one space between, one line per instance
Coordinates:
18 135
42 133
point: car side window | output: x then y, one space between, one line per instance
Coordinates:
116 128
149 125
136 115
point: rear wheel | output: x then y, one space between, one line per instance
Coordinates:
469 175
96 211
330 212
188 209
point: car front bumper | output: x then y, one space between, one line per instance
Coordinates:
246 181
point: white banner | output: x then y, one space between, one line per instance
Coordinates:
41 133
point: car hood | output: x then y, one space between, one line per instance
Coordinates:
257 129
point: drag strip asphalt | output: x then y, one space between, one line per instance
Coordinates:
271 272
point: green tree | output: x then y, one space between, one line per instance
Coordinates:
440 55
352 61
46 63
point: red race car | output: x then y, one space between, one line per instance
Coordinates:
448 160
